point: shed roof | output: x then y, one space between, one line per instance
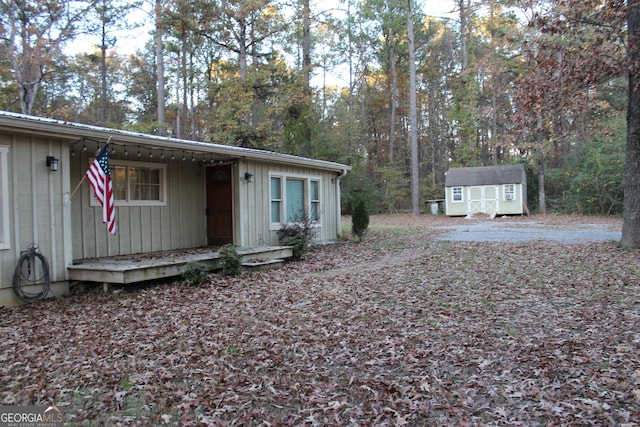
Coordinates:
73 132
485 175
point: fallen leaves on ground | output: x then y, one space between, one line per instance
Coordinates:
401 329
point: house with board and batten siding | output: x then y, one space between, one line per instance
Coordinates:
491 190
171 195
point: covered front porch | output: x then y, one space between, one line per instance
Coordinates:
149 266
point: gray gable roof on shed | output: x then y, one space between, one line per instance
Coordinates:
485 175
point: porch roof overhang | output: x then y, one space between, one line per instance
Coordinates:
75 132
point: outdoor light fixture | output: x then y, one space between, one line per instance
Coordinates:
52 163
248 177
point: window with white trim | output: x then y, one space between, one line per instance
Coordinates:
4 197
292 198
276 198
457 194
137 183
314 202
509 192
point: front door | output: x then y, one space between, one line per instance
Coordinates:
219 205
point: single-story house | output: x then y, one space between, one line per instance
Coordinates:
170 194
493 190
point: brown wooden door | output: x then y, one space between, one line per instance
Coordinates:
219 205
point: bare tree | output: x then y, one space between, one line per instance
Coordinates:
33 35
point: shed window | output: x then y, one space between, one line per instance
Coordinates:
294 198
137 183
510 192
457 194
4 198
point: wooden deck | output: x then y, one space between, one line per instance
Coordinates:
159 265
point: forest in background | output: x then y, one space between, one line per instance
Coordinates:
539 82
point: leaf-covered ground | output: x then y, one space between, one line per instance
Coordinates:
401 329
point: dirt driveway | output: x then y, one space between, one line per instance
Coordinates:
570 229
507 230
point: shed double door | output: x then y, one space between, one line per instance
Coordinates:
219 205
483 199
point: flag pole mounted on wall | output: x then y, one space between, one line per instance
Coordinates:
99 176
75 190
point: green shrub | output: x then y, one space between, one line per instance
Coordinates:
230 260
360 220
194 273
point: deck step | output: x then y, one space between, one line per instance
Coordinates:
123 270
262 264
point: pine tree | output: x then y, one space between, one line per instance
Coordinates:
360 220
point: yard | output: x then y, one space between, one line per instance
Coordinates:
401 329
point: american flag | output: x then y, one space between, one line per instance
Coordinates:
99 175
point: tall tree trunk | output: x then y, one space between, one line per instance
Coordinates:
394 99
463 34
160 69
178 106
493 140
306 43
27 92
103 70
631 209
185 105
542 208
350 52
415 174
242 50
192 102
29 73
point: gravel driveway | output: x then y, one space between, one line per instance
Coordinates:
503 230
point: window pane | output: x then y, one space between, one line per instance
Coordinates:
119 182
276 191
295 200
145 183
315 193
314 190
275 211
276 199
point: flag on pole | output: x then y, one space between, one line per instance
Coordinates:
99 175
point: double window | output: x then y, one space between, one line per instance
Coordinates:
137 183
294 198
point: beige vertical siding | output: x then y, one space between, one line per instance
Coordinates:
254 203
516 206
177 225
37 213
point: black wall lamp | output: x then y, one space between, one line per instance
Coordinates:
53 163
248 177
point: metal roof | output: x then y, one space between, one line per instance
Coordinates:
485 175
74 132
